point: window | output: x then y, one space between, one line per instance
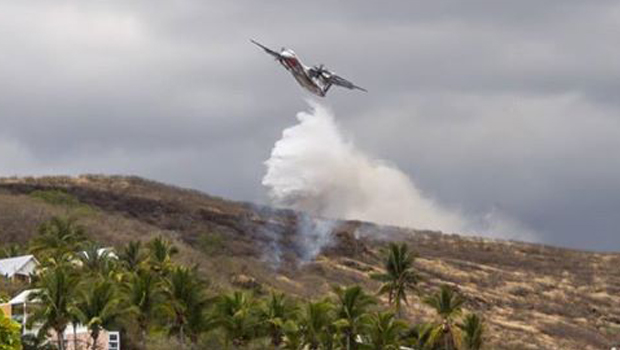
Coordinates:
114 341
17 313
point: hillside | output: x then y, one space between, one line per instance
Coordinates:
532 296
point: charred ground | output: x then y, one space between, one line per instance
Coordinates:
532 296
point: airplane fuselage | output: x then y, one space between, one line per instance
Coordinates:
290 61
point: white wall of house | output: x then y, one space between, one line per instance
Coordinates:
29 268
107 340
22 266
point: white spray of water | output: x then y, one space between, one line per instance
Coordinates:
315 169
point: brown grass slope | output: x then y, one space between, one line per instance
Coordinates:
532 296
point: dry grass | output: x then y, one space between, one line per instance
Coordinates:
532 296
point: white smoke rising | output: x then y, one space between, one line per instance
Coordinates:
315 169
315 233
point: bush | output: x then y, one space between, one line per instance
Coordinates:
9 334
56 197
211 243
64 199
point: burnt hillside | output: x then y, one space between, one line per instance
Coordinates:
532 296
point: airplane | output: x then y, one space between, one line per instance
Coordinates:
315 79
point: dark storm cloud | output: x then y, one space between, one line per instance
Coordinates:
488 105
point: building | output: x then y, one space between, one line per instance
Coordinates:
17 309
19 268
20 306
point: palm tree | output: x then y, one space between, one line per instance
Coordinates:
447 303
143 294
186 303
419 336
132 256
351 307
55 299
293 338
10 251
383 331
75 321
274 313
57 237
96 261
234 314
98 308
315 323
161 253
37 342
399 276
472 332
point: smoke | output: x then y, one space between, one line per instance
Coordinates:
315 233
315 169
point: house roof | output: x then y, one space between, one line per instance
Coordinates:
10 266
22 297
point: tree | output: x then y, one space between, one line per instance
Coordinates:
132 256
351 307
293 338
37 342
98 308
447 303
96 261
315 323
472 332
186 303
9 334
161 253
274 312
10 251
419 336
55 297
143 294
234 314
383 331
57 237
399 277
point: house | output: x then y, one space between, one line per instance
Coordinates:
18 268
17 310
20 307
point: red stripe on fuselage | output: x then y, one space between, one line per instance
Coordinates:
291 62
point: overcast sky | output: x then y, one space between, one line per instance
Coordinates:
486 105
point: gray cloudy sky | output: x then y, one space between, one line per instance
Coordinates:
487 105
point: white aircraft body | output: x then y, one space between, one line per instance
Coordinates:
315 79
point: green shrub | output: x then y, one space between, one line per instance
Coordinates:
56 197
10 337
62 198
211 243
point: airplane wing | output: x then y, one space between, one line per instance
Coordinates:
340 81
267 50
